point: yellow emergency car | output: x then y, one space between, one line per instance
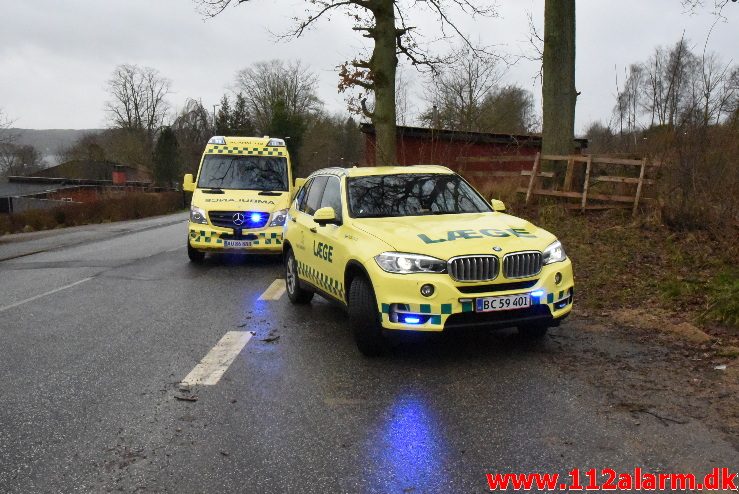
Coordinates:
417 248
240 197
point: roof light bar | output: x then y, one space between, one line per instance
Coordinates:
217 140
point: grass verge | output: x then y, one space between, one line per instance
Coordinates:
115 208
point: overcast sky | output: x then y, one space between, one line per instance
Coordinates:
55 56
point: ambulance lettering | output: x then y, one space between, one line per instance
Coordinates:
485 232
323 251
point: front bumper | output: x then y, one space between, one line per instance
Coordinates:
450 308
208 238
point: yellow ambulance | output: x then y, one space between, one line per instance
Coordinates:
240 197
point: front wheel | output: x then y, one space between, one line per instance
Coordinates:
195 255
363 318
292 284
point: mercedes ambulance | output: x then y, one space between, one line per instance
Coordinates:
240 197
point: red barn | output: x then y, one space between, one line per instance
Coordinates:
422 146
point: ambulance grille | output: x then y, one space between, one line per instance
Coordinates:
522 264
239 219
474 268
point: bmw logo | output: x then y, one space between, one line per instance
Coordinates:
497 249
238 219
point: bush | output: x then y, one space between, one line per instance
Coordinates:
115 207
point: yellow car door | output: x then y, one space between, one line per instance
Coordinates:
305 228
329 244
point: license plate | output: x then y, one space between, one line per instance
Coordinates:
238 244
503 302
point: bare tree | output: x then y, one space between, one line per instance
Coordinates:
387 23
192 127
138 98
467 95
267 84
19 160
6 135
458 90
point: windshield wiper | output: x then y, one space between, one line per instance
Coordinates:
269 193
213 191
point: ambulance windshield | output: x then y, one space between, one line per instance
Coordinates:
239 172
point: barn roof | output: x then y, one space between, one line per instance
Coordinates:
532 140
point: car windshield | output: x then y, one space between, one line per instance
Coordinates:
412 194
243 173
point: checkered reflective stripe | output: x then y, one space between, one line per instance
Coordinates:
269 239
325 283
253 151
562 295
438 311
215 238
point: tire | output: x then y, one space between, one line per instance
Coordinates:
295 293
533 332
195 255
363 318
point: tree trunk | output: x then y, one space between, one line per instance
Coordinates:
383 64
558 92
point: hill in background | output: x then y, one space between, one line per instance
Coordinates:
50 142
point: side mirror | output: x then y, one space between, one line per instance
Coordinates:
325 216
498 206
188 185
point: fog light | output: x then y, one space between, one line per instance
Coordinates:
558 278
427 290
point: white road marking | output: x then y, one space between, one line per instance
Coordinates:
210 370
175 249
50 292
275 291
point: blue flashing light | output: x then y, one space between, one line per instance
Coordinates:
537 293
413 319
255 219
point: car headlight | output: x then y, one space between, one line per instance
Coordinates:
554 253
278 218
197 215
397 262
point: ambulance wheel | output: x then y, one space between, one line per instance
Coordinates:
296 294
535 331
363 318
195 255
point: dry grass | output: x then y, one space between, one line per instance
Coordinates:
622 264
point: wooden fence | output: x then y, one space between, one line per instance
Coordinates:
584 180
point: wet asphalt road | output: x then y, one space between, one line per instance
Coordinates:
90 374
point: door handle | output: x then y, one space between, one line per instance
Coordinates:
314 229
294 220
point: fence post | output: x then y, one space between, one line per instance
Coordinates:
639 187
532 179
587 183
568 174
